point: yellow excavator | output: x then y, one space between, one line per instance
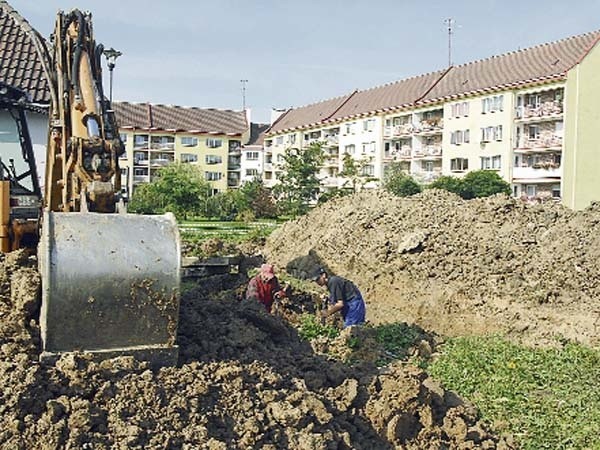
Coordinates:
110 280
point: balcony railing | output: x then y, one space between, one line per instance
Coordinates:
160 162
398 130
140 178
429 150
162 145
427 177
140 162
546 109
543 141
541 170
332 139
434 125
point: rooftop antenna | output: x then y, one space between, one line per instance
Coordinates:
243 94
450 22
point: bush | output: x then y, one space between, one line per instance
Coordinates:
449 183
397 182
311 328
483 183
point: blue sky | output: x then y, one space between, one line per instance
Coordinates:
195 52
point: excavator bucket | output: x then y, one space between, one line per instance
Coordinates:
110 285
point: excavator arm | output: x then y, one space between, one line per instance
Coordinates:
110 279
84 144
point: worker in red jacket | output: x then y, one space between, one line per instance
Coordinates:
265 288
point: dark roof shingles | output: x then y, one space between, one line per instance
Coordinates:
20 65
168 117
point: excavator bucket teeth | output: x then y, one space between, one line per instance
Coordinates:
110 285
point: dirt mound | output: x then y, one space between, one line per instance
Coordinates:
458 267
245 380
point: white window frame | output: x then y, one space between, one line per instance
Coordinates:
214 143
188 158
213 176
459 164
213 159
189 141
252 156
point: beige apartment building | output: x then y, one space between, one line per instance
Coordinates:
157 135
531 115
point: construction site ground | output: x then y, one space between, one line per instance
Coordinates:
246 379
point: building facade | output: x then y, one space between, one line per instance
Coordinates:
528 115
157 135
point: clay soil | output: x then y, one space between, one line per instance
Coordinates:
244 380
456 267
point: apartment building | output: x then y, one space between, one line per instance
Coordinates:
253 153
530 115
157 135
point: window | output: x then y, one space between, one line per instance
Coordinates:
291 139
533 100
213 159
460 109
556 190
140 172
189 141
252 156
459 137
459 164
531 190
368 147
123 137
162 141
498 133
491 162
486 134
279 140
214 143
492 104
212 176
368 124
350 149
534 132
140 141
350 127
428 166
189 158
251 172
368 170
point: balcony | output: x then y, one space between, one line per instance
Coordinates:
537 171
427 177
332 162
550 110
141 145
140 178
543 141
398 130
434 151
140 162
160 162
429 126
332 140
233 181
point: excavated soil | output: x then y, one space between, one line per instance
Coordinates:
457 267
244 380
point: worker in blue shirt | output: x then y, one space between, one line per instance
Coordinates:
344 296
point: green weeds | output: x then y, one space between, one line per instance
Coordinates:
547 398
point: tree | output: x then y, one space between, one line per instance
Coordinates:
449 183
483 183
298 183
399 183
353 170
258 199
179 188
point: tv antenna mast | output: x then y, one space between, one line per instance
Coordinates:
450 22
243 94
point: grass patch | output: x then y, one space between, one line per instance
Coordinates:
547 398
311 327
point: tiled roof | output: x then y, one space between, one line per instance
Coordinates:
308 115
257 133
542 62
147 116
389 96
20 64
